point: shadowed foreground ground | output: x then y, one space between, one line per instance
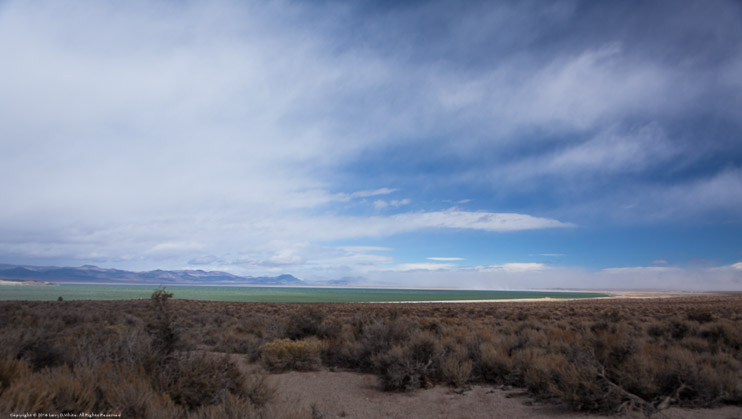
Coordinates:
355 395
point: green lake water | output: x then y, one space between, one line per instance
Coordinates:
269 294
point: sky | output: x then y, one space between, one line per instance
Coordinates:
488 145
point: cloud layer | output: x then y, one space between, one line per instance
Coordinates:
252 137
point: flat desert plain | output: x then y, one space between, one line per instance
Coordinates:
632 354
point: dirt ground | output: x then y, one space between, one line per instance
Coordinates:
340 394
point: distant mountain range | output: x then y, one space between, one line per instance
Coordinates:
93 274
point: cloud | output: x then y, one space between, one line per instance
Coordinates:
733 267
611 152
257 136
366 248
264 240
375 192
445 259
474 220
380 204
640 270
518 276
304 259
708 197
396 203
672 278
169 247
512 267
404 267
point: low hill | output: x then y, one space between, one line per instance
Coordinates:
94 274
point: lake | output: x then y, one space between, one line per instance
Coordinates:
271 294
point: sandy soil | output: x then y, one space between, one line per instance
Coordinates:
338 394
353 395
341 394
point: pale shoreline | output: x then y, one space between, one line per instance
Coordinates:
652 295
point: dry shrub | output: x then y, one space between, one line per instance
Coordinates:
494 365
344 350
195 381
542 370
357 341
136 398
396 370
456 368
723 333
638 374
583 388
377 335
520 361
287 354
303 410
232 407
423 347
128 391
258 390
405 368
304 323
656 330
694 381
562 339
113 343
40 351
12 370
697 344
101 388
55 390
330 328
701 316
162 328
238 343
596 355
679 329
613 348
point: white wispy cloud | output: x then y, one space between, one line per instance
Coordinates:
366 248
404 267
475 220
176 247
611 151
708 196
733 267
244 232
445 259
374 192
512 267
641 270
395 203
